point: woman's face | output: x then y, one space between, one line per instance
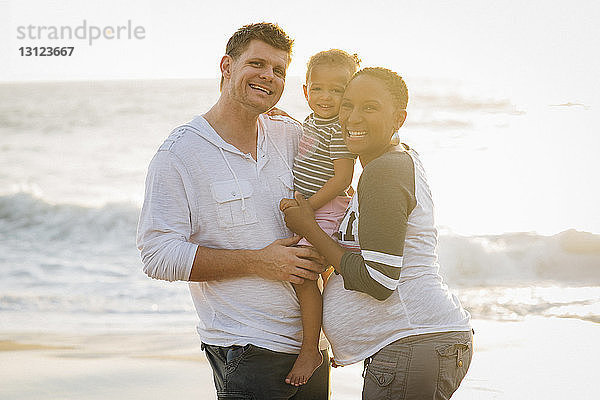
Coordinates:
368 117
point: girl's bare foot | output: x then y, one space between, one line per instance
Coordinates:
306 363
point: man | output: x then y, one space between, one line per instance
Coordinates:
211 216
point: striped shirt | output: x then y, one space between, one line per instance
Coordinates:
321 143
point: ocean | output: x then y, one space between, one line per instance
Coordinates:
514 186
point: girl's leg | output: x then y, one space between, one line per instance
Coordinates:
311 307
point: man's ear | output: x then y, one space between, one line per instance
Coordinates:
399 118
305 89
226 63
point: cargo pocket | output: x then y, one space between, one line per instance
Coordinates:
377 384
231 210
454 362
381 380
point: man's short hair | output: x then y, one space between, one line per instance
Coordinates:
266 32
334 57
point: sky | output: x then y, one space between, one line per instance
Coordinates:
534 54
522 50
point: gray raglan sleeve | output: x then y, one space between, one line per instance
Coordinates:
386 197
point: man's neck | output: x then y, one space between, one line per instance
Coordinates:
235 124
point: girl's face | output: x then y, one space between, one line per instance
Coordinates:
369 117
325 88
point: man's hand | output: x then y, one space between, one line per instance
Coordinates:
279 261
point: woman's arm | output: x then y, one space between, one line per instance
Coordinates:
385 200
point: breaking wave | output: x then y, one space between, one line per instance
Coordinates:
570 257
69 259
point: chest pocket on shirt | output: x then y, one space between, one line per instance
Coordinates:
229 203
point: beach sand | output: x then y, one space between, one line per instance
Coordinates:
537 358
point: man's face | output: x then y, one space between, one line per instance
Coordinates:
257 77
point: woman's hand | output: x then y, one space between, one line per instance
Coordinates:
284 204
299 218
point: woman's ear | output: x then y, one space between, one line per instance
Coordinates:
399 118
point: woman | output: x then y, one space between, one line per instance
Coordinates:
387 304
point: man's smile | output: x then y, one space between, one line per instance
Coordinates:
261 88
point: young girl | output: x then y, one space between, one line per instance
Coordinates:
322 173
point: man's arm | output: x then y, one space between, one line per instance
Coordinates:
164 232
277 261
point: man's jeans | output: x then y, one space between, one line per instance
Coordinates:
252 372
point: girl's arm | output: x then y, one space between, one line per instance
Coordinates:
342 178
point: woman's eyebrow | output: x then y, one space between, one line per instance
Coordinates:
364 101
372 101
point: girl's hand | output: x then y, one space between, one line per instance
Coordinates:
300 218
276 111
273 112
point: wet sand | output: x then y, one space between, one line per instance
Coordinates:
538 358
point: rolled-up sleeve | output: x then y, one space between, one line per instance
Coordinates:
164 228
